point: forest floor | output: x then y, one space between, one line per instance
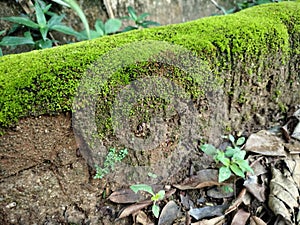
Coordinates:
45 180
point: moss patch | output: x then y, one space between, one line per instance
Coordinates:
45 81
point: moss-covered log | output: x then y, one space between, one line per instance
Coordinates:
254 53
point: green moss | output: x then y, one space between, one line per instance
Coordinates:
45 81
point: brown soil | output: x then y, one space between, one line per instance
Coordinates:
43 179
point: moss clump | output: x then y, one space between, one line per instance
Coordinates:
45 81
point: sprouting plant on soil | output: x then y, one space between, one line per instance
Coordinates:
38 33
233 158
155 196
111 159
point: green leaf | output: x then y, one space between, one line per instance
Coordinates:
40 16
220 156
239 155
1 53
236 169
209 149
67 30
14 41
230 151
94 34
46 8
125 18
148 23
244 166
240 141
142 187
232 139
44 32
152 175
60 2
158 196
227 189
73 4
112 26
155 210
129 28
41 44
55 20
142 16
99 26
132 13
2 32
224 173
21 20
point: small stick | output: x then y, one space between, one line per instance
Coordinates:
108 8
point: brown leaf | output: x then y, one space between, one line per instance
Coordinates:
169 213
257 190
240 218
293 147
203 178
283 195
220 192
143 219
256 221
237 201
294 168
207 211
214 221
296 132
265 143
126 196
134 208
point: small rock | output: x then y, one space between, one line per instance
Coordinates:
11 205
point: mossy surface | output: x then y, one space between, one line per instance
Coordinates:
45 81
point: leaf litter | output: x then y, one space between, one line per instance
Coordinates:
269 196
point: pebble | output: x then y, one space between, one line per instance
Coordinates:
11 205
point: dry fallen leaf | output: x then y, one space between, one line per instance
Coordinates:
220 192
127 196
239 200
265 143
214 221
134 208
143 219
169 213
283 196
256 221
257 190
293 147
293 165
203 178
240 218
207 211
296 133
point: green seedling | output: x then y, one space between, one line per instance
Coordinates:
139 20
233 158
155 197
111 26
111 159
38 29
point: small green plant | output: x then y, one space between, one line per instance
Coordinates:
140 21
38 29
111 159
111 26
155 197
233 158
